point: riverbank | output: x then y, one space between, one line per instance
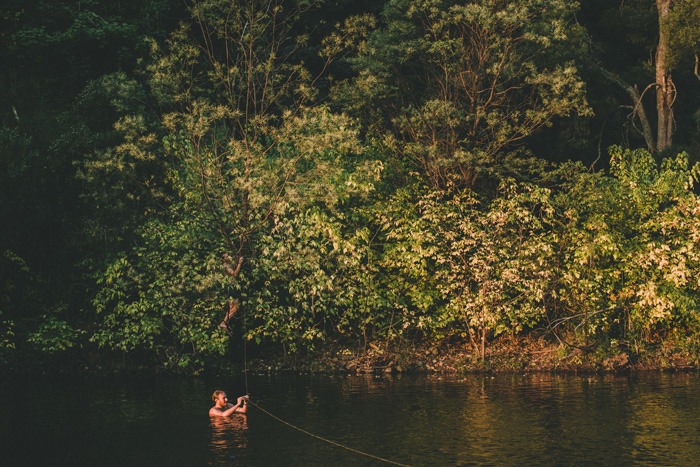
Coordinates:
503 355
506 355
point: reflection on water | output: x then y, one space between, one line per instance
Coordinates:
659 422
641 419
229 438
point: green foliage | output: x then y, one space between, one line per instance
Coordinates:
122 174
596 257
21 299
683 24
54 335
7 336
588 236
624 38
464 269
508 251
661 261
165 296
462 85
241 165
628 245
316 277
167 177
53 121
405 261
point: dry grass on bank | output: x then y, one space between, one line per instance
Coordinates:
504 355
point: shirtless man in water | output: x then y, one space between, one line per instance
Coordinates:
223 408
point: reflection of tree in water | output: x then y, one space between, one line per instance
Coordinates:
229 438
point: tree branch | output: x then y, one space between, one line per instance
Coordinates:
638 108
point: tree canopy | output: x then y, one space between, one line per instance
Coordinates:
297 175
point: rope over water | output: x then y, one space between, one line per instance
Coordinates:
329 441
299 429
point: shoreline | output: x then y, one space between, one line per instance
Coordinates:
503 356
510 356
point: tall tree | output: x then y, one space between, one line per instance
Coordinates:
642 44
679 26
54 54
665 89
250 150
463 85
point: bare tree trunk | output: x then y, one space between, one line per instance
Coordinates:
232 271
233 306
638 108
665 89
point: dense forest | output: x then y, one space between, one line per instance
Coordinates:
181 178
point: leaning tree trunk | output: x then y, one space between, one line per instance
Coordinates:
665 89
637 107
233 272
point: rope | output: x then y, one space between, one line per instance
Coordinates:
245 359
321 438
294 427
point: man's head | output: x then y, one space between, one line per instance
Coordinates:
219 397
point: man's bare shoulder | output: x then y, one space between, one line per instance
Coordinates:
214 411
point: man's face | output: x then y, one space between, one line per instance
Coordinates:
222 400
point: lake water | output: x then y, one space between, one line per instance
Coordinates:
642 419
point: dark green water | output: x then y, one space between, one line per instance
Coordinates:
648 419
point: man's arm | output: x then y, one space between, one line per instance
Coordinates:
240 407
